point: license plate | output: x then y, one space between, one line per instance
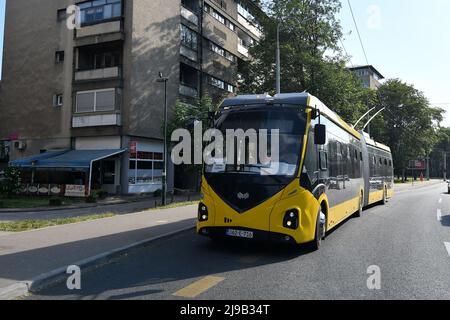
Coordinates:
239 234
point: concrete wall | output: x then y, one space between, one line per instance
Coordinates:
31 77
152 45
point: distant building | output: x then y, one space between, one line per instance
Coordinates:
370 77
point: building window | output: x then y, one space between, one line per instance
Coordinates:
217 83
146 167
189 38
245 12
4 151
221 84
61 15
224 53
106 60
230 88
216 15
58 100
59 57
96 101
98 11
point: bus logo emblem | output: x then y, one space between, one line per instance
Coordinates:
243 196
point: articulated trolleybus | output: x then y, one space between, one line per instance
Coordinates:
327 172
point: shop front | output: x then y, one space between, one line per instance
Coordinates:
146 167
72 173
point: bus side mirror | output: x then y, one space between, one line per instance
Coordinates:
320 134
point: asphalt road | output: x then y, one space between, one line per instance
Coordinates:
405 239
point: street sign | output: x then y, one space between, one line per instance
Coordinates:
417 165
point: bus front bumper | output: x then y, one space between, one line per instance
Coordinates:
246 234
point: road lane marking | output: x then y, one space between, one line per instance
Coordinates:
447 246
439 215
195 289
440 200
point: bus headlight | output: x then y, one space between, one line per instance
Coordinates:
202 212
291 219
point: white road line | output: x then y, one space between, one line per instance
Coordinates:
440 200
447 246
439 215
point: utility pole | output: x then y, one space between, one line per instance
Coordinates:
164 80
445 166
428 167
278 58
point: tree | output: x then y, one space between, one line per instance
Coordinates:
437 154
410 125
309 32
184 117
11 183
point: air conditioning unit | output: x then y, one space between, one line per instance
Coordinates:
20 145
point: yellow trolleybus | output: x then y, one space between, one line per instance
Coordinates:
328 172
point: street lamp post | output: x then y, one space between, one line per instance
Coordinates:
164 80
278 58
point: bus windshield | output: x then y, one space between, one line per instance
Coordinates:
291 125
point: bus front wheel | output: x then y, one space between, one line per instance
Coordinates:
385 196
358 213
320 231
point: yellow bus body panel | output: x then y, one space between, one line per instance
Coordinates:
269 215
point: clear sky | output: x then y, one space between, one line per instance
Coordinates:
406 39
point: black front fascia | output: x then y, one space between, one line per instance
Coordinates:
244 192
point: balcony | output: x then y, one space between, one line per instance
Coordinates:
189 16
98 74
243 50
189 53
249 26
188 91
94 120
100 29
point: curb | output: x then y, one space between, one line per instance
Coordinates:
23 288
410 187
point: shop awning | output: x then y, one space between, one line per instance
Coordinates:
76 159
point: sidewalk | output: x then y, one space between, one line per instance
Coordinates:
29 259
417 184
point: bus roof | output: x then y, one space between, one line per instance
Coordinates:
301 99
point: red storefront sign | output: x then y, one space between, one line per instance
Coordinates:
134 148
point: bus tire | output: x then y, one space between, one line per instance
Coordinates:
320 231
384 201
358 213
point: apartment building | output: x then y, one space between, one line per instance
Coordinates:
370 77
83 108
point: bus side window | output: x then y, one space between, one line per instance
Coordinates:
323 158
